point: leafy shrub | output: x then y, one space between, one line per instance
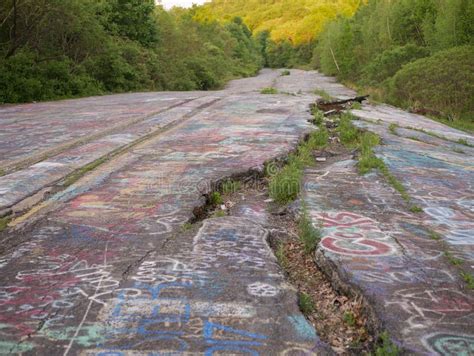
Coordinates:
443 82
386 64
85 47
23 79
122 67
203 74
384 38
279 54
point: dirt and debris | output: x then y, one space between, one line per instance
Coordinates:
339 320
335 107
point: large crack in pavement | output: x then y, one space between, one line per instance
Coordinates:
198 293
43 143
412 267
105 266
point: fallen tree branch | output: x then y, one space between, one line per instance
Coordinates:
331 107
358 99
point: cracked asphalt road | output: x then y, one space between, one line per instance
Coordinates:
107 268
412 268
104 266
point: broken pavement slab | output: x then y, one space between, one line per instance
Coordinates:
43 143
391 115
31 132
22 184
372 247
438 179
386 113
409 267
108 267
226 284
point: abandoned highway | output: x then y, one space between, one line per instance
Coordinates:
104 252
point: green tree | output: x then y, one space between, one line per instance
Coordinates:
132 19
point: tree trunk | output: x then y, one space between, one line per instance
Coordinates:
13 36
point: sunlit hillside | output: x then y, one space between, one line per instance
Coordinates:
295 20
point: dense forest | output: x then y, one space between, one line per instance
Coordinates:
51 49
416 54
411 53
295 21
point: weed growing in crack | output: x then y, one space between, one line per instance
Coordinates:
284 186
2 172
318 117
356 105
452 260
219 214
387 347
4 222
351 137
216 199
285 73
269 91
368 160
414 138
305 155
393 129
305 303
434 235
230 187
308 234
186 226
319 139
349 318
395 183
75 176
348 133
416 209
463 141
469 279
368 141
281 256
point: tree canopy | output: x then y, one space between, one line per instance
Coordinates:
295 21
51 49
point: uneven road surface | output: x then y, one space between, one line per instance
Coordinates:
98 262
